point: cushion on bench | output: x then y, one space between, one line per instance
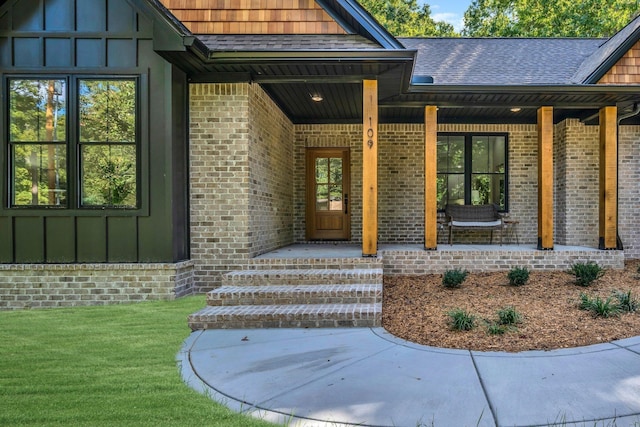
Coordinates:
495 223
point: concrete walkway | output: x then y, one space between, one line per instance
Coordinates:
367 377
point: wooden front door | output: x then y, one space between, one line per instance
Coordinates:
328 210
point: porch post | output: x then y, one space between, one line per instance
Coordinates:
545 178
370 168
430 177
608 178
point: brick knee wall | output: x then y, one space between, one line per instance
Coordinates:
69 285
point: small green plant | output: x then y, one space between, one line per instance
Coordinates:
586 273
585 302
518 276
494 328
598 306
509 316
454 278
626 302
461 320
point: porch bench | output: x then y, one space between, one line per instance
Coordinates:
473 217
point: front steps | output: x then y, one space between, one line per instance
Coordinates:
278 296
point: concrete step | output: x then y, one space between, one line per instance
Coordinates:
290 294
287 316
303 277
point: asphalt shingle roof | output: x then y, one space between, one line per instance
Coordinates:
266 42
500 61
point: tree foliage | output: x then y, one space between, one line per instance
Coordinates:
543 18
405 18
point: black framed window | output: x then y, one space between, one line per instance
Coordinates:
472 169
81 153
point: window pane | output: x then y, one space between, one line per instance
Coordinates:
107 110
322 197
109 175
451 154
450 190
322 170
488 154
480 154
336 170
37 110
335 198
39 175
486 189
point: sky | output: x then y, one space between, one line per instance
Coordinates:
450 11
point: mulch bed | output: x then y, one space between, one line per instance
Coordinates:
416 307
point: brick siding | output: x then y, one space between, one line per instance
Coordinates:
65 285
270 174
241 178
628 190
437 262
577 183
401 176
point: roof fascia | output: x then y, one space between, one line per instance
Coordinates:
169 34
522 89
373 30
335 15
312 55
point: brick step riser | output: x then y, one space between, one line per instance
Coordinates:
297 295
305 264
302 278
331 316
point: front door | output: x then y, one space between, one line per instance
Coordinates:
328 216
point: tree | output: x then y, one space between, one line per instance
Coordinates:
404 18
543 18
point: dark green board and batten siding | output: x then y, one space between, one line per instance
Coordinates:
100 38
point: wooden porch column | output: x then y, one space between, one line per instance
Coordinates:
370 168
608 178
430 177
545 178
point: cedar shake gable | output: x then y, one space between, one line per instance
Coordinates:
253 17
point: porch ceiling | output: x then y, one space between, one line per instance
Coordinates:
342 103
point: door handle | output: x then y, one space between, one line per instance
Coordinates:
346 203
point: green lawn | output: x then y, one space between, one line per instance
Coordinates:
94 366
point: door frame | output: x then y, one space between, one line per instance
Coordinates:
311 153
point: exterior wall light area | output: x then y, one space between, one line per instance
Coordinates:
316 97
515 109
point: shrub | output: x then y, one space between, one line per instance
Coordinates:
454 278
626 302
518 276
509 316
586 273
495 329
598 306
585 302
461 320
